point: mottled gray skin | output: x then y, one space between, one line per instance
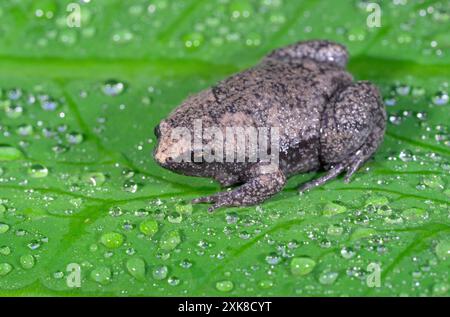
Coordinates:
326 121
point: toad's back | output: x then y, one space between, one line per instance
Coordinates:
287 95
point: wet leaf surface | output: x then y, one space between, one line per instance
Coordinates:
79 187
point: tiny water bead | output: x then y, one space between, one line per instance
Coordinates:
302 266
193 40
94 178
101 275
225 286
335 230
9 153
136 268
273 258
27 261
37 171
149 227
170 240
173 281
112 240
74 138
5 269
130 186
113 87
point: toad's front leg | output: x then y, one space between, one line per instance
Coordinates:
259 187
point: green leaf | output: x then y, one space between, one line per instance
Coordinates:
79 187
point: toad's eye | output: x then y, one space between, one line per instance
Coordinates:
157 131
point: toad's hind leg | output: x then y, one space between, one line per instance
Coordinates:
259 187
353 125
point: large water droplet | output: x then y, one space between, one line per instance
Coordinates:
170 240
302 266
332 209
136 267
443 249
101 275
4 227
9 153
37 171
112 240
5 269
160 272
27 261
113 87
224 286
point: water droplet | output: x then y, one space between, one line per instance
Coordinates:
27 261
415 214
5 269
266 284
232 218
332 209
101 275
186 264
443 249
160 272
37 171
224 286
149 227
347 253
136 267
94 178
434 182
273 258
328 278
34 245
74 138
5 250
122 36
4 227
112 240
362 233
335 230
441 289
193 40
113 87
48 104
9 153
173 281
440 98
170 240
302 266
240 9
58 275
25 129
130 186
175 217
184 208
406 156
13 111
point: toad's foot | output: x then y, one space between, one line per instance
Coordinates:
255 190
350 167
